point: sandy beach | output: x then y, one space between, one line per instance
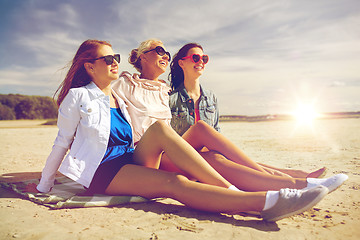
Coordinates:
334 143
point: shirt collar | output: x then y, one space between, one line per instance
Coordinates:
94 90
185 96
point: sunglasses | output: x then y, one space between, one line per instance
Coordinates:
196 57
161 51
109 59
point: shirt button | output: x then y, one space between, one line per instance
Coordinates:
89 110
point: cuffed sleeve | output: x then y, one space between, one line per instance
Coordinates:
52 165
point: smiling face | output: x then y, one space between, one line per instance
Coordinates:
153 62
101 73
191 69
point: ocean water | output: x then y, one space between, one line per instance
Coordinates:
290 145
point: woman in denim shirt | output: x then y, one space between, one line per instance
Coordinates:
185 113
189 102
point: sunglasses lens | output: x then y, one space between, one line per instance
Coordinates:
160 51
117 57
108 59
196 57
205 58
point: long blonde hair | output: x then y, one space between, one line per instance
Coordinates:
77 75
134 58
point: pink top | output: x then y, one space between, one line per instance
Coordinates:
147 101
197 115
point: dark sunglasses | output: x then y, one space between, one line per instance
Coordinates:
109 59
161 51
196 57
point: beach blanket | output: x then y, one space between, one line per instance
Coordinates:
69 194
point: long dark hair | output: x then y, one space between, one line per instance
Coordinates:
176 75
77 75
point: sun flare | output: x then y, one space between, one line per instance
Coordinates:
305 114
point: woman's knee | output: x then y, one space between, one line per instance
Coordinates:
176 181
201 125
173 185
159 126
214 157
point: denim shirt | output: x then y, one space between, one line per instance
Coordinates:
183 109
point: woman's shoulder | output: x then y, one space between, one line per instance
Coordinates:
174 93
85 91
208 93
124 77
125 81
78 91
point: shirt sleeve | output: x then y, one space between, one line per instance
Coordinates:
52 164
217 115
68 120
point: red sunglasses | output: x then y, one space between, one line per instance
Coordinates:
196 57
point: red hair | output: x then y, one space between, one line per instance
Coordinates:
77 75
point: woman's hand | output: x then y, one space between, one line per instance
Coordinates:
31 187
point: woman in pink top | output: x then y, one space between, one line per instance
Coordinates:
147 99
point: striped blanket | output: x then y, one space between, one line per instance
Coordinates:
69 194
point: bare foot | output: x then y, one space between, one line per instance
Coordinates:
295 173
318 173
31 187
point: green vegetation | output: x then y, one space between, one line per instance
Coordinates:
16 106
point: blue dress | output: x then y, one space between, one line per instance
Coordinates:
120 139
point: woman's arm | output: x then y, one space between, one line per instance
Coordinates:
68 120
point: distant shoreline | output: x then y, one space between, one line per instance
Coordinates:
274 117
223 118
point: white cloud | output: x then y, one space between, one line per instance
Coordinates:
39 81
255 48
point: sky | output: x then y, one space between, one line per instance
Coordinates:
266 57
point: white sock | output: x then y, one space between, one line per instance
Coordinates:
232 187
271 198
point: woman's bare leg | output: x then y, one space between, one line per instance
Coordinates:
202 135
295 172
161 138
248 179
242 177
152 183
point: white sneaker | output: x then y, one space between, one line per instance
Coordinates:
294 201
332 183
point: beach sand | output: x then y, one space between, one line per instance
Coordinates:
25 145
